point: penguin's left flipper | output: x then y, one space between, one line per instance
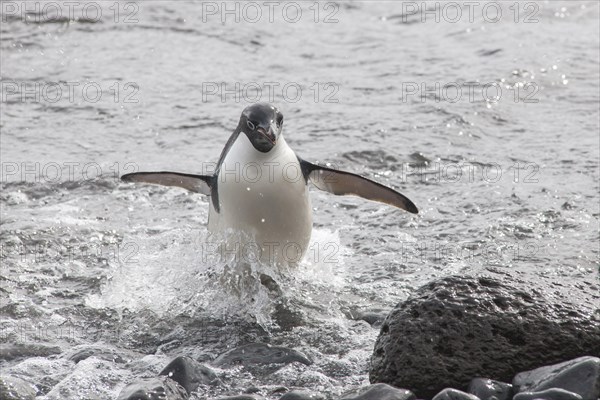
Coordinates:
342 183
194 183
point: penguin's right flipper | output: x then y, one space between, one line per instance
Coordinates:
194 183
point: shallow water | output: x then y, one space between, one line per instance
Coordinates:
87 260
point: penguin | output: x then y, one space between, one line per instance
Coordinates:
260 189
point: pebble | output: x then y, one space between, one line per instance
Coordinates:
549 394
160 388
261 353
580 375
486 389
453 394
13 388
80 353
380 391
189 373
373 318
13 351
301 395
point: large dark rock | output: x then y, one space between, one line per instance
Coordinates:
580 376
458 327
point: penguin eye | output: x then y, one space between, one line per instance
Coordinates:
250 125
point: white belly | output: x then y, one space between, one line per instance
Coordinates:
264 203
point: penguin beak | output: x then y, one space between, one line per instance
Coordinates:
267 133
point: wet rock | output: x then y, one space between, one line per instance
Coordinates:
458 327
261 353
581 376
279 389
80 353
373 317
485 389
301 395
14 351
13 388
453 394
242 397
270 283
160 388
189 373
287 315
380 391
549 394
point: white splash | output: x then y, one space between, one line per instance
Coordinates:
179 271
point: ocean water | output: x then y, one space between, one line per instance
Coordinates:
485 115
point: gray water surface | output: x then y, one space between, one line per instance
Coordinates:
87 261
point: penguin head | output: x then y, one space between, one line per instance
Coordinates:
262 124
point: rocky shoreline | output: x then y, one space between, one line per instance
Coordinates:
577 379
496 337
